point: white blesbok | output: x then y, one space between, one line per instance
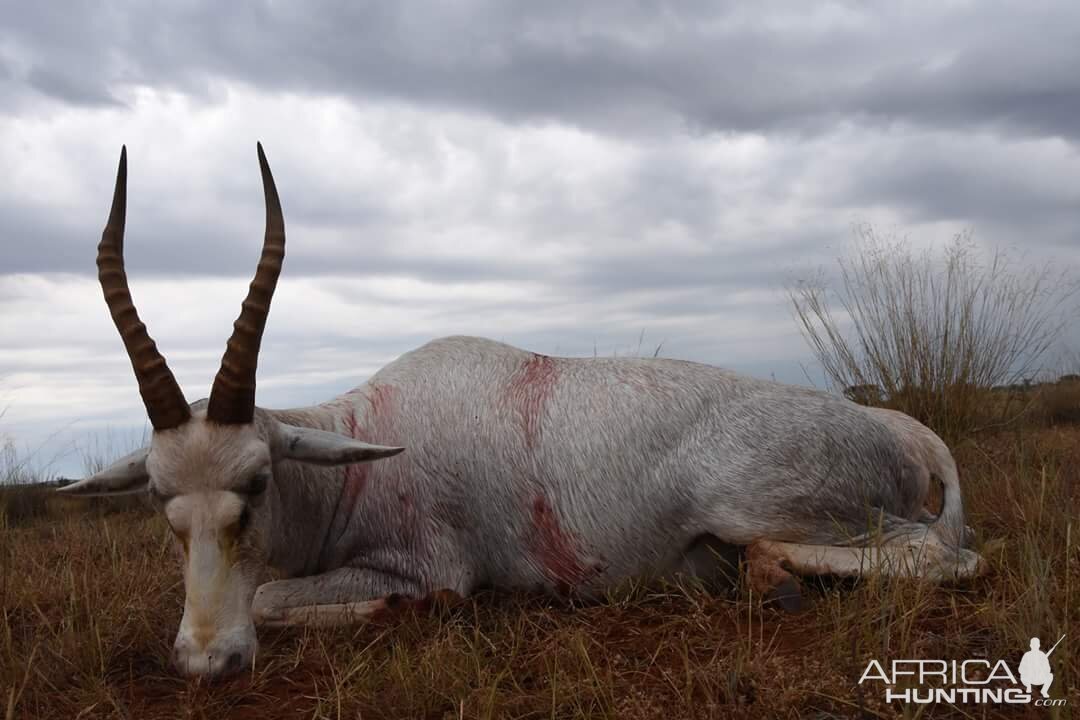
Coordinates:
521 471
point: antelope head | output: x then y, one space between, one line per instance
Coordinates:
210 466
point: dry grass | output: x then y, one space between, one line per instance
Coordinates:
90 603
1058 403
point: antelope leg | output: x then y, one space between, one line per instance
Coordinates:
338 597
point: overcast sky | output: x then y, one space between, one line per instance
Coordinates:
574 178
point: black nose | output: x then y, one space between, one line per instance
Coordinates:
233 663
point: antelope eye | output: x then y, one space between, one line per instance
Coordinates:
257 485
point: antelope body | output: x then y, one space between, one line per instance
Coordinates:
519 471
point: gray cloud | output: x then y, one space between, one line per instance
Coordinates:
58 84
703 66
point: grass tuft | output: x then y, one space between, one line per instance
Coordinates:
941 338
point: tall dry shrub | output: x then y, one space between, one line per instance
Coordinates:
935 332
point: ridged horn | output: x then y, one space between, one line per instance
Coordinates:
232 398
161 394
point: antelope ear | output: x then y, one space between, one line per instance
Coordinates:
327 448
125 476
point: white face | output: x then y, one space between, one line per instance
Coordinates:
210 482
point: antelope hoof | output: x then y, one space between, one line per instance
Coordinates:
787 596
